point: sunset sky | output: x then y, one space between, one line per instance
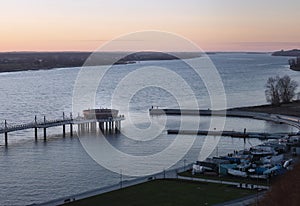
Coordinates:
214 25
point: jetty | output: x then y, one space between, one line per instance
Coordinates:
109 124
234 134
281 119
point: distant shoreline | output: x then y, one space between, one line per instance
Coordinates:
26 61
288 53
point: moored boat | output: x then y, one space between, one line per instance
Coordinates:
256 176
237 173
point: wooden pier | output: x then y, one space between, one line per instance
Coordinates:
108 125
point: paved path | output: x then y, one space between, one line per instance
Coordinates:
237 184
169 174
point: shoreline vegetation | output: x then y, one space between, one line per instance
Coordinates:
289 53
23 61
290 109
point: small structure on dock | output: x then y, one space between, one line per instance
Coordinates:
108 120
100 113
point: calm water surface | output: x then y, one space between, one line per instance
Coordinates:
33 172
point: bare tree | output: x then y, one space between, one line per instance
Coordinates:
287 89
280 89
272 91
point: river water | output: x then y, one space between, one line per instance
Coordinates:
34 172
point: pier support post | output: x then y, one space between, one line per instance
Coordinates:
45 134
64 126
117 126
71 130
109 126
6 139
81 128
101 126
45 129
35 133
64 130
5 134
35 129
71 125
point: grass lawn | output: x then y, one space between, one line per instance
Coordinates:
226 178
167 192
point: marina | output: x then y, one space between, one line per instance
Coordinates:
265 161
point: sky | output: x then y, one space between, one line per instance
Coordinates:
85 25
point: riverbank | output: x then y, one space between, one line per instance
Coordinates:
23 61
290 109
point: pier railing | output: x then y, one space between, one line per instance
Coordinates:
110 123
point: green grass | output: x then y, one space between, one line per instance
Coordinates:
167 192
226 178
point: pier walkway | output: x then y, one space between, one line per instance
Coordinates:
109 124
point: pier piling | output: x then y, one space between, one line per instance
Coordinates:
35 133
6 139
107 125
71 130
45 134
64 130
5 134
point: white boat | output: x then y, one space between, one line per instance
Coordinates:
258 176
272 159
199 169
287 163
262 150
237 173
244 166
269 171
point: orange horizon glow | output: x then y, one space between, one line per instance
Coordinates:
215 25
